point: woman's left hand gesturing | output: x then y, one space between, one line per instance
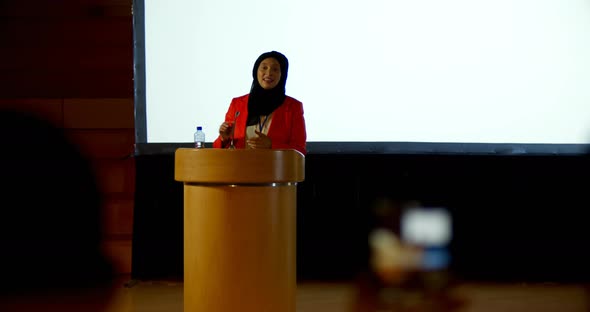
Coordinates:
262 141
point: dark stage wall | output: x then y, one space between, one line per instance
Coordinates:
514 217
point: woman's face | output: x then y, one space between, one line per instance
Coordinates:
269 73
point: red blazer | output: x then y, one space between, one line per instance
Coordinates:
287 129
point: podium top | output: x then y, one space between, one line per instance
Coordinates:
245 166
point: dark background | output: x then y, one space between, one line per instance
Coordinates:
515 218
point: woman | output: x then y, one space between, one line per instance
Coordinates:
266 117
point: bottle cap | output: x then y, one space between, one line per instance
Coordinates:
199 128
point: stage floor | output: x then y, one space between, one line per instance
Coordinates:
153 296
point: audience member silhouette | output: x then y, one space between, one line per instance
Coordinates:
50 222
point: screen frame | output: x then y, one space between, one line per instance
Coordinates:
422 148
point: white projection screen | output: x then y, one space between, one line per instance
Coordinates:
449 76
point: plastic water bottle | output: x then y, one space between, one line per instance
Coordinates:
199 138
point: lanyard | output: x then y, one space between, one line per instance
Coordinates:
261 125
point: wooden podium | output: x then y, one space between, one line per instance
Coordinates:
239 228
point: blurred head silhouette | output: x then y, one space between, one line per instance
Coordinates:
50 225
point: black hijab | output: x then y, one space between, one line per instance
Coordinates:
262 102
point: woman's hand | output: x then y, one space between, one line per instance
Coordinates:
262 141
225 131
